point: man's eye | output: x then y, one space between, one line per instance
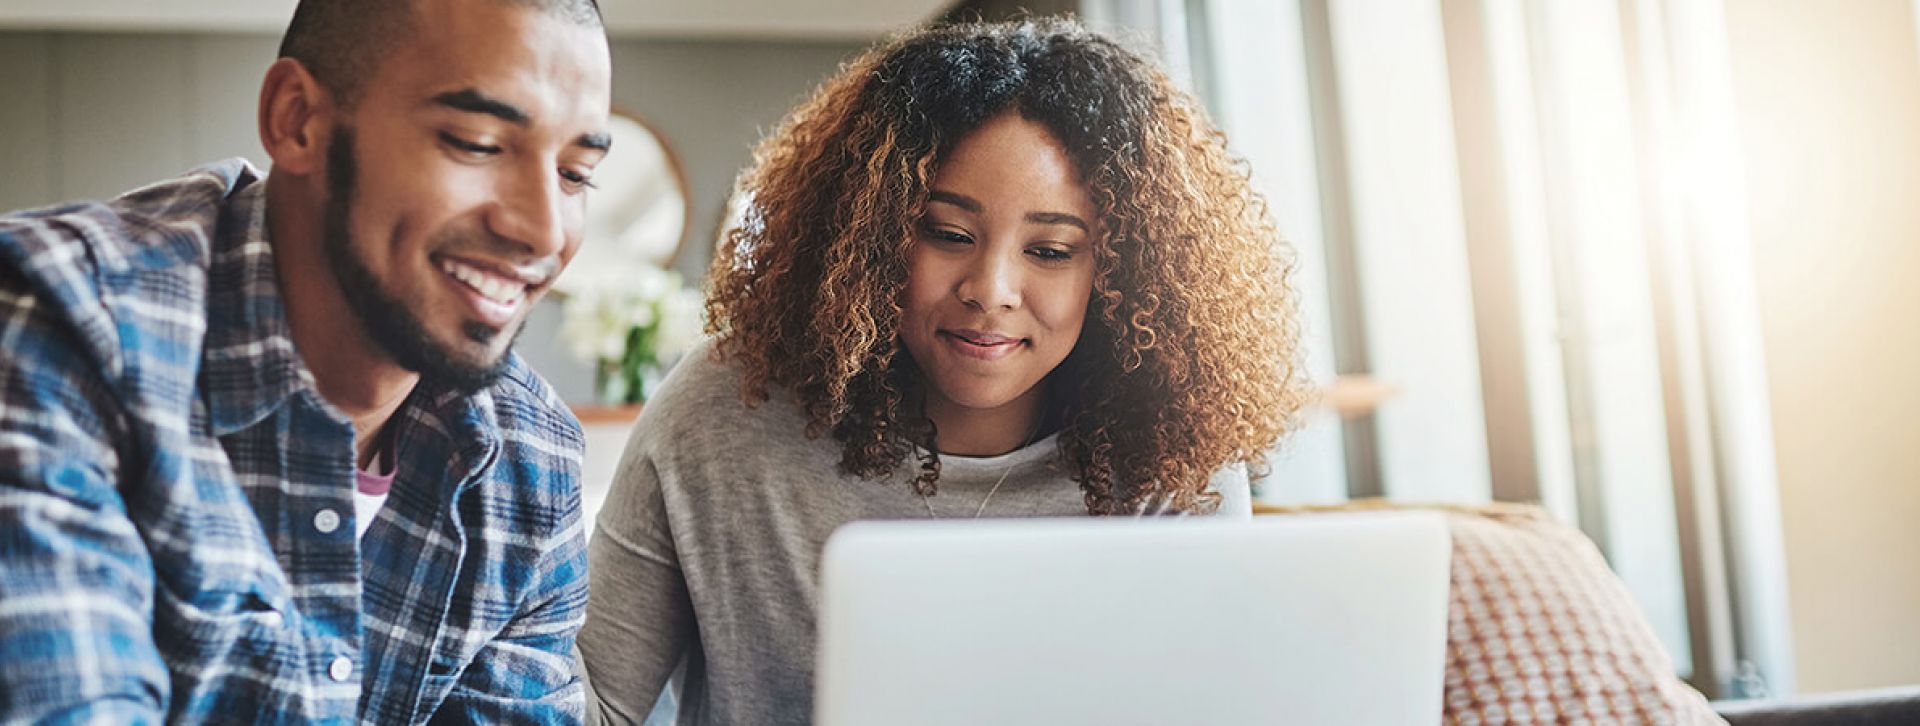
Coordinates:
578 179
468 147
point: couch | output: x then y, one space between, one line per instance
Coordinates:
1541 631
1862 708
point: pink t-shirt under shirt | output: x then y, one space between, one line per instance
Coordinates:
369 494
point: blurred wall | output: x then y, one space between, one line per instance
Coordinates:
89 115
1829 98
994 10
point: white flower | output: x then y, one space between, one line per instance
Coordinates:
650 284
591 333
600 315
680 323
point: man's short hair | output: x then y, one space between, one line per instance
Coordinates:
342 42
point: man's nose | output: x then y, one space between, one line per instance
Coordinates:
532 213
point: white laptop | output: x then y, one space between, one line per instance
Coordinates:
1320 619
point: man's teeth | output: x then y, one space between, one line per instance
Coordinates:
492 287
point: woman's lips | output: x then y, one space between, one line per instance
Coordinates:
980 345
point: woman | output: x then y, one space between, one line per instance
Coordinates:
988 271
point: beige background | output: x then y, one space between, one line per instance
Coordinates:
1829 99
89 115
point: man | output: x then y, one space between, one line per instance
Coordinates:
265 454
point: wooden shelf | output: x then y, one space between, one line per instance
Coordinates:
601 414
1350 396
1355 395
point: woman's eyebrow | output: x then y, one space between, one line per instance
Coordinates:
1057 218
973 205
959 200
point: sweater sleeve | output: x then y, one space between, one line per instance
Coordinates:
639 617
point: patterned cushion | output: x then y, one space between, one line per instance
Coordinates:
1539 630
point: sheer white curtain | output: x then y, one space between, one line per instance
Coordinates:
1529 219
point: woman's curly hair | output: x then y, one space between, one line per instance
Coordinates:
1188 359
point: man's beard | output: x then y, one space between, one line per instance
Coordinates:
388 321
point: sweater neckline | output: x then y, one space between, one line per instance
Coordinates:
997 464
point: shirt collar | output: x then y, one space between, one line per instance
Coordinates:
249 365
450 432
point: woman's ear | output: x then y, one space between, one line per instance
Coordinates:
296 118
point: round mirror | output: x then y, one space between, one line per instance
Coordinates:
637 215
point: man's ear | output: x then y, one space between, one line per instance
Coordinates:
296 118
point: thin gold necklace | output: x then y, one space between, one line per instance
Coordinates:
924 499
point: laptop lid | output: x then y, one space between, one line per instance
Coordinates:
1320 619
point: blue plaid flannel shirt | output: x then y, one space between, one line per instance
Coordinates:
164 463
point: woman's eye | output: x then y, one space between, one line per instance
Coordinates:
467 147
946 236
1051 254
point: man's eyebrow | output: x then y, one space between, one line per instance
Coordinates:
472 100
598 142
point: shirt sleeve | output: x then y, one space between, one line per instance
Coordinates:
640 619
76 578
526 673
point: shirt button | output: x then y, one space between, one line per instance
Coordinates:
341 669
326 520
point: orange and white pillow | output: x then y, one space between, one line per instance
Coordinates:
1540 631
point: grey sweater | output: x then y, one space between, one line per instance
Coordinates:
706 554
